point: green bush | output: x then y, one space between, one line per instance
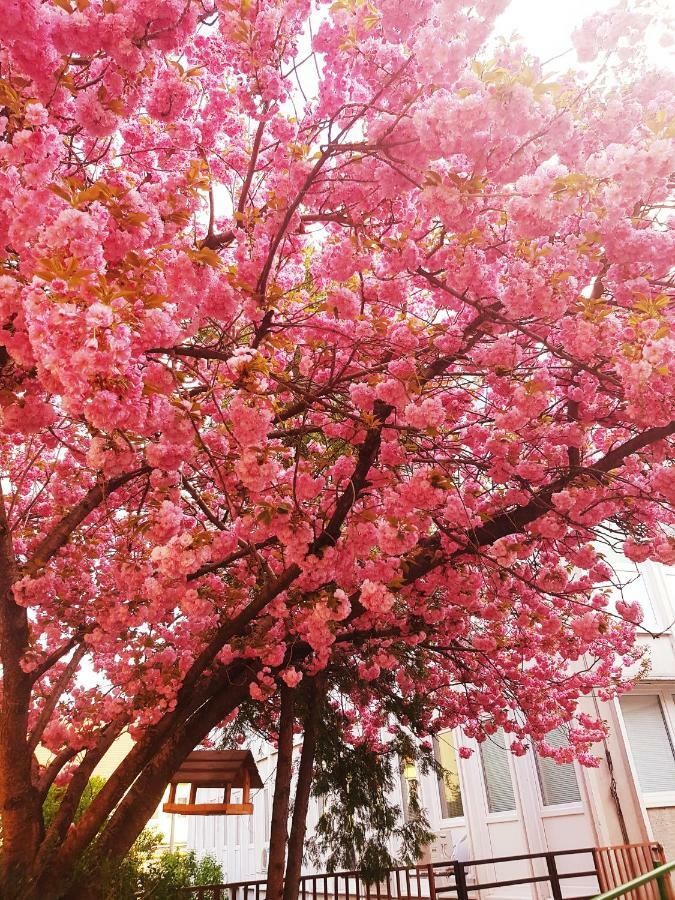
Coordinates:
173 870
144 872
55 795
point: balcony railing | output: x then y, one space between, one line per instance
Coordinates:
594 869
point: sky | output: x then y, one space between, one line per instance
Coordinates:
546 27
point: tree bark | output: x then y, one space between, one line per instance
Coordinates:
296 843
282 791
20 805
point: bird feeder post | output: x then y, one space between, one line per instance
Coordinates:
246 787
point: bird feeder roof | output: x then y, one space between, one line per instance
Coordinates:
214 768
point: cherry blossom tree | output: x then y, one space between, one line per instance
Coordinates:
330 335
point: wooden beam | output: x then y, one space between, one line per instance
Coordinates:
209 809
246 787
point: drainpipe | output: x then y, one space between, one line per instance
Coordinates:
613 787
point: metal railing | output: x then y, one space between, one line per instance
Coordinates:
607 867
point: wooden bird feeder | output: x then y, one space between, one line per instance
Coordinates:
226 769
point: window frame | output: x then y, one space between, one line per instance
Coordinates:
571 807
665 695
449 821
505 815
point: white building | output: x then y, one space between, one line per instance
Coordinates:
507 805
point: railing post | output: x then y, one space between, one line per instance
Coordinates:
553 876
664 887
460 881
432 882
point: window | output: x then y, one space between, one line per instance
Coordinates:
649 742
636 585
448 784
410 788
497 775
558 781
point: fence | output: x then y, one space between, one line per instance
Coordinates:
609 867
617 865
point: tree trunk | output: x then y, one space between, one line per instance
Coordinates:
282 791
296 843
138 804
20 805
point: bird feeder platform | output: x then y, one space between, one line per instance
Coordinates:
225 769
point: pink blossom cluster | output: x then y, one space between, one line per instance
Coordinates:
352 376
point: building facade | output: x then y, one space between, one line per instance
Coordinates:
497 804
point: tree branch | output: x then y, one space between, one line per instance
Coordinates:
425 556
54 696
61 532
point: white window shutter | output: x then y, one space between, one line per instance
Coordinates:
649 742
497 775
558 781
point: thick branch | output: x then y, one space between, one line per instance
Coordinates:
427 556
61 532
52 770
296 842
51 660
54 696
282 794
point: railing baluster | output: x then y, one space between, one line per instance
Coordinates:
432 882
553 876
460 881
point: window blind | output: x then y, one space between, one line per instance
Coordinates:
649 742
558 781
497 775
